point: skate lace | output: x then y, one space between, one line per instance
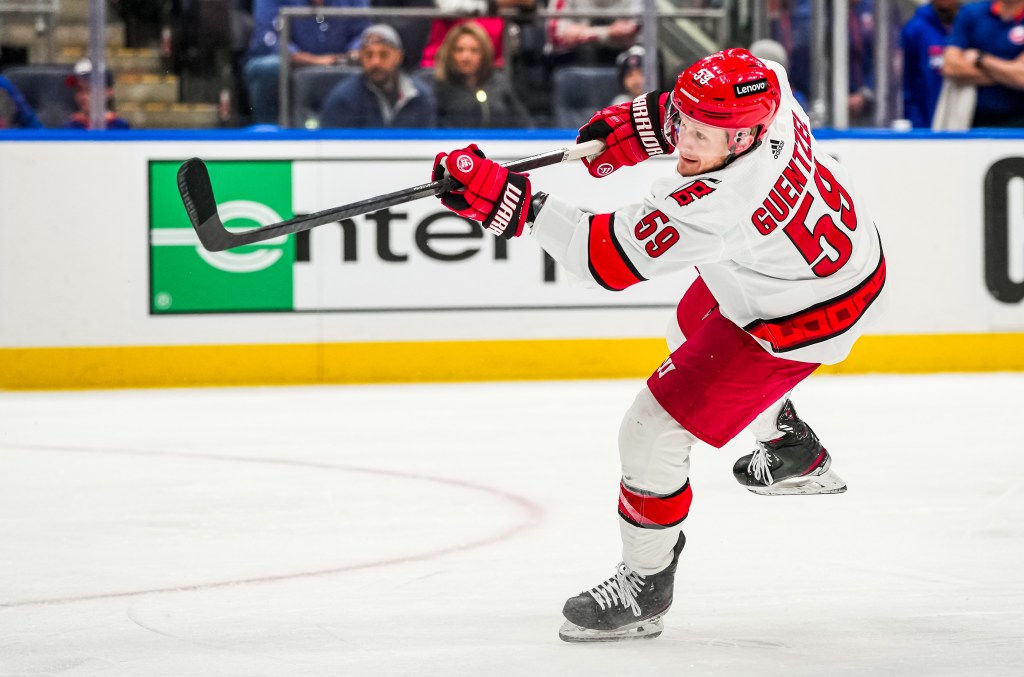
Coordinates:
622 588
760 465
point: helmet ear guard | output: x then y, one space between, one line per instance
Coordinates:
743 139
740 136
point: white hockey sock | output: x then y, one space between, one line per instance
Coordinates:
764 427
655 454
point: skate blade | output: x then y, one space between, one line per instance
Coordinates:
648 629
827 482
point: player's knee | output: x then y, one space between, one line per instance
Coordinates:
653 448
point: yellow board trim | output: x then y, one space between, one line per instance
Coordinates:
411 362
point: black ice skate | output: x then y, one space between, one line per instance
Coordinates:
796 463
626 606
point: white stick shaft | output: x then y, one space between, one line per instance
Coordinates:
585 149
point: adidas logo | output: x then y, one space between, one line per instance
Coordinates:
776 148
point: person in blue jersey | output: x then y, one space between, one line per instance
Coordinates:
986 49
382 95
923 41
315 41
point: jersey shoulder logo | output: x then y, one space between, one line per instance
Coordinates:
776 147
694 190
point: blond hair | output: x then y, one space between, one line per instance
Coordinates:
442 61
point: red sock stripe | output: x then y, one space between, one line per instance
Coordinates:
608 262
654 512
822 321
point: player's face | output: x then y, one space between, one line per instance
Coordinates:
467 56
701 148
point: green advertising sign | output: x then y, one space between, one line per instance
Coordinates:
185 278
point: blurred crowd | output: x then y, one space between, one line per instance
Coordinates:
962 66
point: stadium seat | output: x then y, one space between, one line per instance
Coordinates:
310 86
580 91
45 88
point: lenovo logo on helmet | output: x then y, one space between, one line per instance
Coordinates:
752 87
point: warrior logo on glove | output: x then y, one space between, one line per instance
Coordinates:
632 132
488 193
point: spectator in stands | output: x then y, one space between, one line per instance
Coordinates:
986 49
80 82
382 95
494 25
630 66
320 41
592 42
923 40
15 113
468 89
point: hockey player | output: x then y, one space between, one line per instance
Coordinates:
790 270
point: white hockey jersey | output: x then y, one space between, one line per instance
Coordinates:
782 240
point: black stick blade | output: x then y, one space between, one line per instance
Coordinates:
201 206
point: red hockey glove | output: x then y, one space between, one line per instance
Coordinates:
489 192
631 131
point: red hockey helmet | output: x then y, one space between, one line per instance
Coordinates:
731 89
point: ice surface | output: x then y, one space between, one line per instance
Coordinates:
437 530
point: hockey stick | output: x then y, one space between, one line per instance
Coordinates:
201 206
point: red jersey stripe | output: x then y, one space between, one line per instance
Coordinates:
607 260
822 321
